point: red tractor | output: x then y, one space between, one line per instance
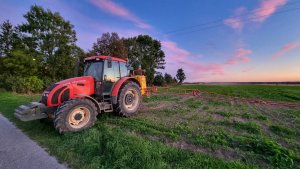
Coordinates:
108 85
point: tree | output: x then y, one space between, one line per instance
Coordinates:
50 40
159 79
19 63
80 54
147 52
168 78
6 38
110 45
180 75
19 73
175 80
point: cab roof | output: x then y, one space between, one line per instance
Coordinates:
104 58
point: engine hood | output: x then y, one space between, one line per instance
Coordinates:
67 89
77 80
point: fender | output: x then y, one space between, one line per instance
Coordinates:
118 85
91 99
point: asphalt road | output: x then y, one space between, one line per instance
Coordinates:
17 151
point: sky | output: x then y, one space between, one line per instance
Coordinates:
212 40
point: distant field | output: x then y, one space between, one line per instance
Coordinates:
181 132
264 92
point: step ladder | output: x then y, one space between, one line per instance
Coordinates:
106 104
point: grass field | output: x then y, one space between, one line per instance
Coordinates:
264 92
181 132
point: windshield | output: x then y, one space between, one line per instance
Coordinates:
94 69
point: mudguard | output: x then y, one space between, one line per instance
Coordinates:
117 86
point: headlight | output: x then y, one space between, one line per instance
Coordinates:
45 94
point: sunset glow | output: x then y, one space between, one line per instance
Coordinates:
213 41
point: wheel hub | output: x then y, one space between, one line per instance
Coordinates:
129 99
79 117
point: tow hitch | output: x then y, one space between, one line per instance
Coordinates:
31 111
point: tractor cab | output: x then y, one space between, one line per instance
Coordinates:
106 72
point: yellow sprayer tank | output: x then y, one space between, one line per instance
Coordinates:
142 80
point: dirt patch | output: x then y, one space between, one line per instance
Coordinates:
185 98
158 106
217 117
239 119
222 153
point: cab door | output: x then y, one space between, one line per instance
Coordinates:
110 76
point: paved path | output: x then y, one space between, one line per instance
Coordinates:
17 151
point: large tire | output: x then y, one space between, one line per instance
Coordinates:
129 100
75 115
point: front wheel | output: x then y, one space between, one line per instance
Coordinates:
75 115
129 100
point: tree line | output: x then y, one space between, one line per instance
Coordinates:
43 50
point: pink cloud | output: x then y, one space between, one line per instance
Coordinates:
116 9
266 9
236 21
244 59
174 53
242 52
177 57
232 62
286 48
240 56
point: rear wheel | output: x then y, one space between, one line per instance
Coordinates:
75 115
129 100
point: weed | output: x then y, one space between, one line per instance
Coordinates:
246 115
293 112
194 117
261 117
205 108
145 127
225 113
254 116
218 103
250 127
212 140
272 152
282 131
193 103
157 98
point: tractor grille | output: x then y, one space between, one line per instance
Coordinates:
65 96
44 100
54 99
45 94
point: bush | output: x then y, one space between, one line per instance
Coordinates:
30 84
159 80
33 84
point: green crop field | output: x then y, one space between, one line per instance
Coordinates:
173 131
264 92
